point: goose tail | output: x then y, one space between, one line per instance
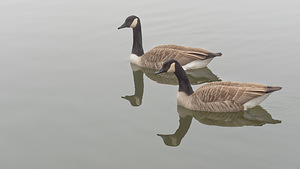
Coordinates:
218 54
271 89
214 54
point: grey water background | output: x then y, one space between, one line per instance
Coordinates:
64 67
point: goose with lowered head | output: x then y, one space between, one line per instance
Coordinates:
188 57
217 96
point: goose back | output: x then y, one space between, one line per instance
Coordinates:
225 96
155 57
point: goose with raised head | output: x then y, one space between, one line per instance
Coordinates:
217 96
188 57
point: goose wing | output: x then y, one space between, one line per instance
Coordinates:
230 92
155 57
237 84
192 52
184 48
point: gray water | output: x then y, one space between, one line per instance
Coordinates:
64 69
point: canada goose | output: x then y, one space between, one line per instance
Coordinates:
217 96
253 117
188 57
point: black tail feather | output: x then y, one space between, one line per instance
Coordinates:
218 54
271 89
210 55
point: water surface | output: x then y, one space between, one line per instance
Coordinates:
65 67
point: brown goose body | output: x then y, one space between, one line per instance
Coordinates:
188 57
155 57
217 96
225 96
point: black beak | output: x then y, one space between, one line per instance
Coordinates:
159 71
122 26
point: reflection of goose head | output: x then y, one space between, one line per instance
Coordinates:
170 139
133 99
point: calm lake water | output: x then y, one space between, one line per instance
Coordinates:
70 99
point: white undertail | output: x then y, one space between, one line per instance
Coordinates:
197 64
254 102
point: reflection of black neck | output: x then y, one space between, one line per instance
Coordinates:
184 125
137 47
183 80
136 99
175 139
138 83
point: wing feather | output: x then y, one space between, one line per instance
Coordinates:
239 93
184 48
155 57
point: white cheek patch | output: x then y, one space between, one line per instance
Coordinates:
172 68
134 23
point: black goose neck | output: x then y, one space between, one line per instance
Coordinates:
137 47
183 80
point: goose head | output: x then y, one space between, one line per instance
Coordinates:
168 66
130 22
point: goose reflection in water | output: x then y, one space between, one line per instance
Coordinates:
197 76
256 116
